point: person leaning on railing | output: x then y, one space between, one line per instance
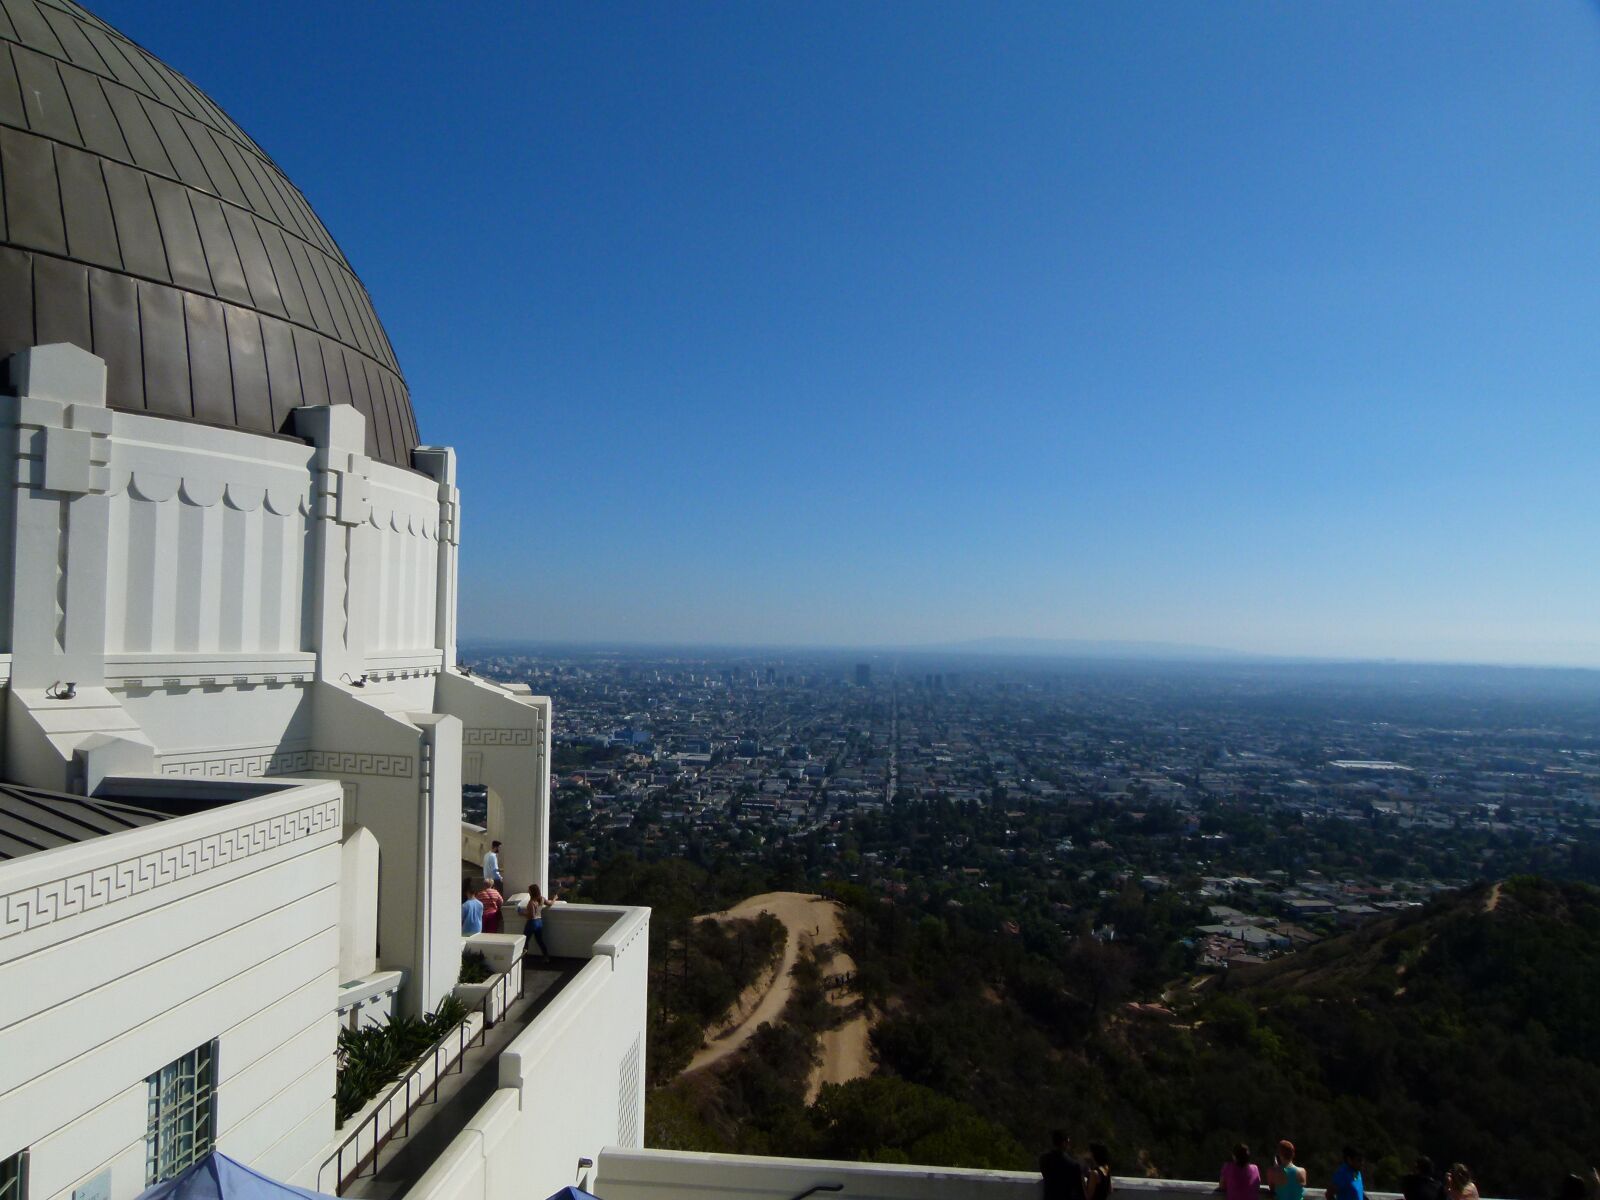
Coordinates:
1241 1178
533 909
1060 1172
1458 1184
1097 1185
1347 1181
1420 1183
1285 1177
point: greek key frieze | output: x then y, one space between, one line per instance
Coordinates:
497 737
238 766
359 762
34 907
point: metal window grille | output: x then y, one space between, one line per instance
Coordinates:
181 1114
14 1176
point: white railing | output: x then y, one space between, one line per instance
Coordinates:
675 1175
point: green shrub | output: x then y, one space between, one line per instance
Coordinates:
475 967
371 1058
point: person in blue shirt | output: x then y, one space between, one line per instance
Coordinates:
471 910
1347 1182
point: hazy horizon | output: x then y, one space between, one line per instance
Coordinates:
1263 328
1041 650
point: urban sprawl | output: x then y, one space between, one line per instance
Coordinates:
1279 803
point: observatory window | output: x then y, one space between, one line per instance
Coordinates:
182 1114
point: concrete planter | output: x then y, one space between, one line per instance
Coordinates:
373 1122
473 995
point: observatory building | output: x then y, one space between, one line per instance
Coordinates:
234 732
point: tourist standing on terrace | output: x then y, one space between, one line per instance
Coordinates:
471 910
491 868
533 908
1284 1177
1099 1185
1241 1178
492 903
1422 1183
1458 1183
1347 1181
1063 1174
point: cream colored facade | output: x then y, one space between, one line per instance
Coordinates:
123 953
230 605
257 632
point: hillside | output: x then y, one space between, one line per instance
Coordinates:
1469 1030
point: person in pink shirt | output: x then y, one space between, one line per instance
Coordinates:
1241 1179
493 901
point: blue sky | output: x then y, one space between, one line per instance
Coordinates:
1267 326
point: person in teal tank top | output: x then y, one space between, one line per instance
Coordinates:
1285 1177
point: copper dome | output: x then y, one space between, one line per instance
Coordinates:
142 224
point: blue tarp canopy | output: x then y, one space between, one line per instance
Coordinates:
218 1177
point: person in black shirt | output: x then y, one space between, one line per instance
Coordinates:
1063 1174
1098 1185
1422 1183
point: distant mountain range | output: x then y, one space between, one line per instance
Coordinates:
999 646
1089 648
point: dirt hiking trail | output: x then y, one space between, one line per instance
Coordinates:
810 921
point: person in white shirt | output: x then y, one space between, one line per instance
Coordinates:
491 867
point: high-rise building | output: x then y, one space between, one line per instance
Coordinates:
863 675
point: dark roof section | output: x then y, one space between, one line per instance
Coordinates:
32 820
138 222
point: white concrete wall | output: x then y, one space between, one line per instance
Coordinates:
235 606
627 1174
631 1174
401 606
358 905
209 549
121 954
243 606
404 786
206 576
572 1082
506 747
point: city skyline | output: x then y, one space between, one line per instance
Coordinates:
1257 329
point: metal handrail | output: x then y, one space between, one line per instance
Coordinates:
501 987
